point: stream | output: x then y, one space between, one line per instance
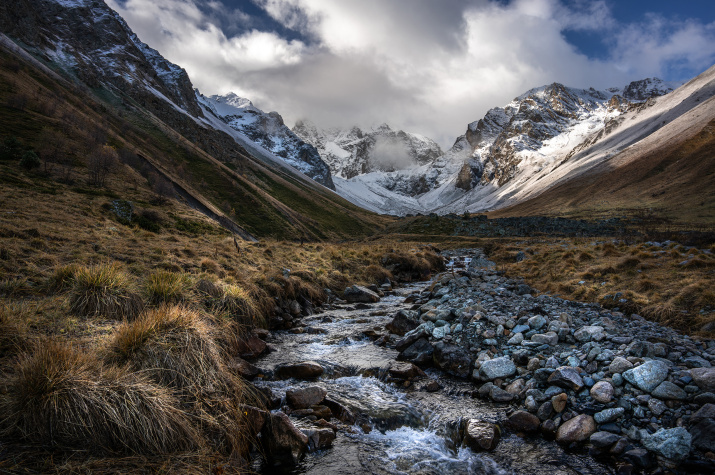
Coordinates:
401 428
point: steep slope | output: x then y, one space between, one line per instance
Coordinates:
658 159
512 153
269 132
218 169
352 152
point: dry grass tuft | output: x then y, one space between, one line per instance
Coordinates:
13 329
104 290
377 274
585 256
172 346
237 304
211 266
163 287
58 396
62 278
208 289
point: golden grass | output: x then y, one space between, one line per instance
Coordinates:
13 328
60 397
167 287
670 285
104 290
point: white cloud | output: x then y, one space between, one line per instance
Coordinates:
424 66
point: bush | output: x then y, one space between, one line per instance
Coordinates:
59 396
149 220
104 290
30 160
10 149
101 162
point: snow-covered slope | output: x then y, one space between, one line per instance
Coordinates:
269 132
509 154
352 152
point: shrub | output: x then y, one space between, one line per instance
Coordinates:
149 220
167 287
10 148
30 160
104 290
59 396
101 162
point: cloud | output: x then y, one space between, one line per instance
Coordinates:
390 154
423 66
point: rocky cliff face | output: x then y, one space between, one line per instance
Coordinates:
268 131
92 42
352 152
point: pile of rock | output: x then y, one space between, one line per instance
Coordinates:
572 371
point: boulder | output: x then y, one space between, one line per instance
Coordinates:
319 438
340 412
673 443
255 418
705 412
648 375
306 397
243 368
404 370
304 370
576 429
481 435
282 442
452 359
602 392
420 352
358 293
704 378
250 346
703 433
497 368
522 421
403 322
566 377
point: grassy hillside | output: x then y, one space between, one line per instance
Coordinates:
64 123
673 184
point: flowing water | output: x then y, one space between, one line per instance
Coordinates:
400 430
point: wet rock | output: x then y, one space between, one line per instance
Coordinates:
481 435
306 397
255 418
282 442
411 337
559 402
304 370
522 421
619 365
452 359
673 443
404 370
250 347
340 412
576 429
566 377
319 439
322 412
358 293
648 375
244 369
602 440
497 394
668 390
609 415
704 398
432 386
497 368
419 353
704 378
602 392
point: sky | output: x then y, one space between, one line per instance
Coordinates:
424 66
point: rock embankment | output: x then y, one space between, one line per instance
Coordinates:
622 386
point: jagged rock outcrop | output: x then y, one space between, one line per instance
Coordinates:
268 131
352 152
